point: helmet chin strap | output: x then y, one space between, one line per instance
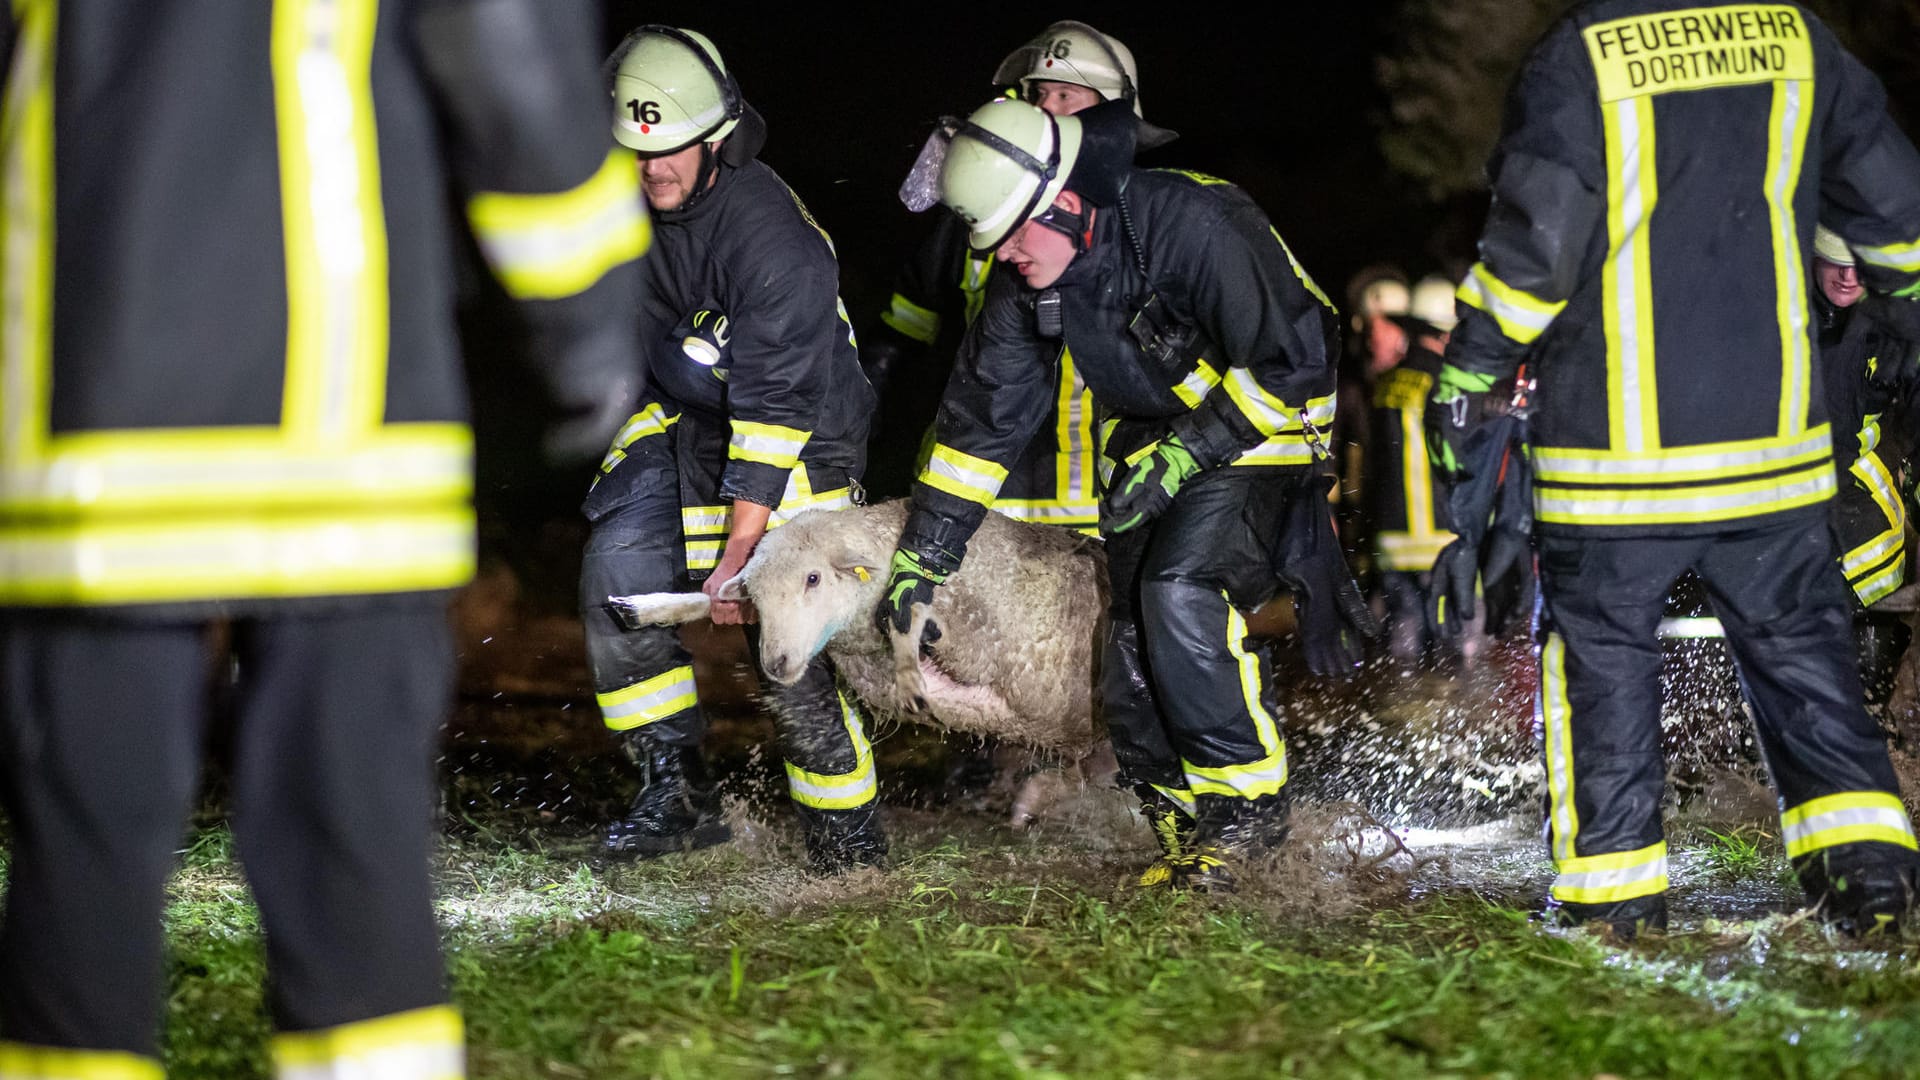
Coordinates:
1077 227
704 178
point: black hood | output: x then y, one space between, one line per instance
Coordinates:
747 139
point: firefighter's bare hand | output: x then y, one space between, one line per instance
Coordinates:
728 612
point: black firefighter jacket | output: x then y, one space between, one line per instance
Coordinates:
229 371
784 404
1221 338
1655 193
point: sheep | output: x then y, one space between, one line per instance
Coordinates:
1021 624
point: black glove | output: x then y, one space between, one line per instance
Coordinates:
1450 604
1333 620
1457 409
1506 569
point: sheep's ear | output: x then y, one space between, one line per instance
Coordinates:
734 589
855 565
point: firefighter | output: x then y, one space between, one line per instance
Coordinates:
1867 377
1068 67
234 394
1138 272
1655 190
757 412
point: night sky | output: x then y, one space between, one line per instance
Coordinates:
849 97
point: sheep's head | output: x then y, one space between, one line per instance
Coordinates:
806 589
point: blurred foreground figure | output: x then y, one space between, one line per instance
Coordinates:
232 392
1655 194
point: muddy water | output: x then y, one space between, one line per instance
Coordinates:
1411 784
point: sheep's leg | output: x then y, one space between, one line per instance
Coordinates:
658 609
907 683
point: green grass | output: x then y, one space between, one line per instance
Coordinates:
983 954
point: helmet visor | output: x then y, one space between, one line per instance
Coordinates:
921 189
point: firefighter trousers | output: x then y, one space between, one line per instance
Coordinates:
1779 593
643 678
1185 695
337 715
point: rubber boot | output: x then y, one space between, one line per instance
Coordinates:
1858 894
1622 920
1230 833
677 807
843 840
1172 829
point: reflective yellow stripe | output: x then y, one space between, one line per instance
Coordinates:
1520 315
1905 257
1300 272
973 283
1673 464
1683 505
800 498
423 1044
768 444
336 550
1877 567
650 700
1882 583
1074 434
706 520
1256 778
332 218
1409 552
653 419
1786 145
548 246
1416 475
912 320
1627 293
704 554
21 1061
962 475
1278 450
214 470
1848 817
1268 414
1556 722
1612 877
1198 383
26 252
1180 796
841 791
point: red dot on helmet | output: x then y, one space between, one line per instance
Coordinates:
645 128
1049 63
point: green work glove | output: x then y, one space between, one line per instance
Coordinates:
911 582
1456 412
1148 486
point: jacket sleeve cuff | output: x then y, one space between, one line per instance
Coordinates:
1211 436
939 539
754 481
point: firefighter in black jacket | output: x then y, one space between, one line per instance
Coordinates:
1655 193
1870 382
757 412
233 392
1069 67
1138 272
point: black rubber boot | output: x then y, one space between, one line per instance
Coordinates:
1173 830
1859 894
1230 833
843 840
1622 920
677 808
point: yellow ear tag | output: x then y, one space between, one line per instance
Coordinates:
862 572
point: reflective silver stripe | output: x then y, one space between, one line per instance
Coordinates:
649 700
1609 879
553 246
1625 267
1518 321
1245 781
26 283
1032 510
705 520
1788 150
1893 256
1267 413
1696 627
1873 472
1278 450
858 788
1804 488
1555 714
1076 451
1716 459
962 474
759 445
1871 552
835 500
1801 835
385 1063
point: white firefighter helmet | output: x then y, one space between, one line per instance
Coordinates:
1432 302
1004 165
671 90
1073 52
1829 247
